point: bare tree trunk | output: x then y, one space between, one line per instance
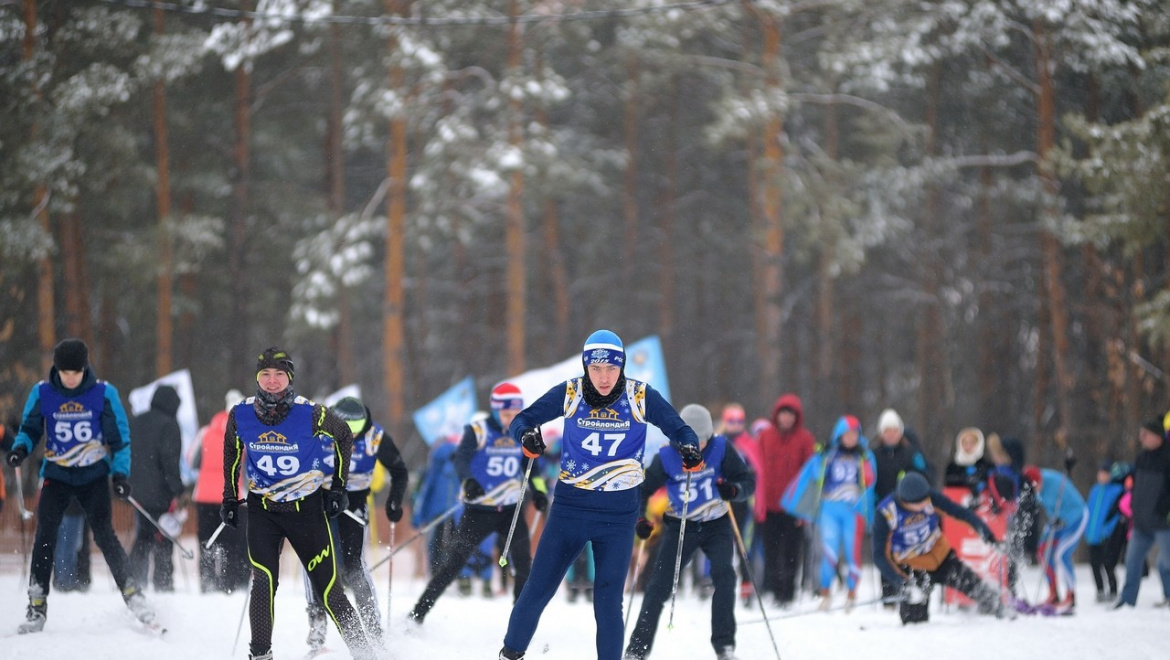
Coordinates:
393 345
764 393
76 280
771 185
929 359
46 333
826 337
238 348
1050 244
988 332
630 177
514 231
668 220
335 180
164 329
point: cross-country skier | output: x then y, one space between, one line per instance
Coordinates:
371 445
87 440
835 489
1067 518
726 478
597 496
490 463
911 552
284 436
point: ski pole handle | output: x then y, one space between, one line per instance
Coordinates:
186 553
356 517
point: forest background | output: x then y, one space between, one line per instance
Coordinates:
959 209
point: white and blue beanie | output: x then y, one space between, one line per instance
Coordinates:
604 347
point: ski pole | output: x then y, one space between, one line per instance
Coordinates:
214 536
682 530
796 615
425 528
634 582
356 517
186 553
390 579
25 514
748 569
243 613
516 514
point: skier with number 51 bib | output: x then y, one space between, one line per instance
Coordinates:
597 497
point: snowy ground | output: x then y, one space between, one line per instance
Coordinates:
95 626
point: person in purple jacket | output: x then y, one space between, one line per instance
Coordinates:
596 499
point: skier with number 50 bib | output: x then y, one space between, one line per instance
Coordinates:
596 498
489 464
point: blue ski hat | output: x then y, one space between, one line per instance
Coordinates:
604 347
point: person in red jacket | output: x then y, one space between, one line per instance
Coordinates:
784 448
225 566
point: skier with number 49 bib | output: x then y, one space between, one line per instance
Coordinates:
596 497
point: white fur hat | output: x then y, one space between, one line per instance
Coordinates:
890 419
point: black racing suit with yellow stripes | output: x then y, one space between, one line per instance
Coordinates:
285 472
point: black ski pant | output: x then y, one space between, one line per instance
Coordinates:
308 532
1103 559
716 540
472 529
150 544
355 572
94 498
223 567
956 574
783 543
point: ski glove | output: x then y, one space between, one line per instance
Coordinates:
727 489
17 456
121 486
532 443
539 500
643 528
472 490
393 510
336 501
692 458
229 512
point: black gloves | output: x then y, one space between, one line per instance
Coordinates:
727 489
393 510
643 528
532 443
17 456
472 490
336 501
121 486
539 500
692 458
229 512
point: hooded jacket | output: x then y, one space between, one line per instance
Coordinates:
782 453
155 477
803 496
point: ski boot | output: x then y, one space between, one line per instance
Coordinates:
850 601
464 585
267 655
826 600
318 625
138 605
508 654
34 618
726 653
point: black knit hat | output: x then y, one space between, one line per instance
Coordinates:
275 358
913 487
71 355
1154 426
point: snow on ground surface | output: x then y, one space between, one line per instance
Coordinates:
96 626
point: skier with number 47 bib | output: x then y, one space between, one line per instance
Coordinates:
597 498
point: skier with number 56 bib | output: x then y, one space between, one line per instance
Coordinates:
597 497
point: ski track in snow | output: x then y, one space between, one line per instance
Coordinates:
96 625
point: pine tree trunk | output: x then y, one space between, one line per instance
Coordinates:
771 184
46 317
75 278
239 351
514 231
164 331
335 181
630 176
1054 288
668 220
393 344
